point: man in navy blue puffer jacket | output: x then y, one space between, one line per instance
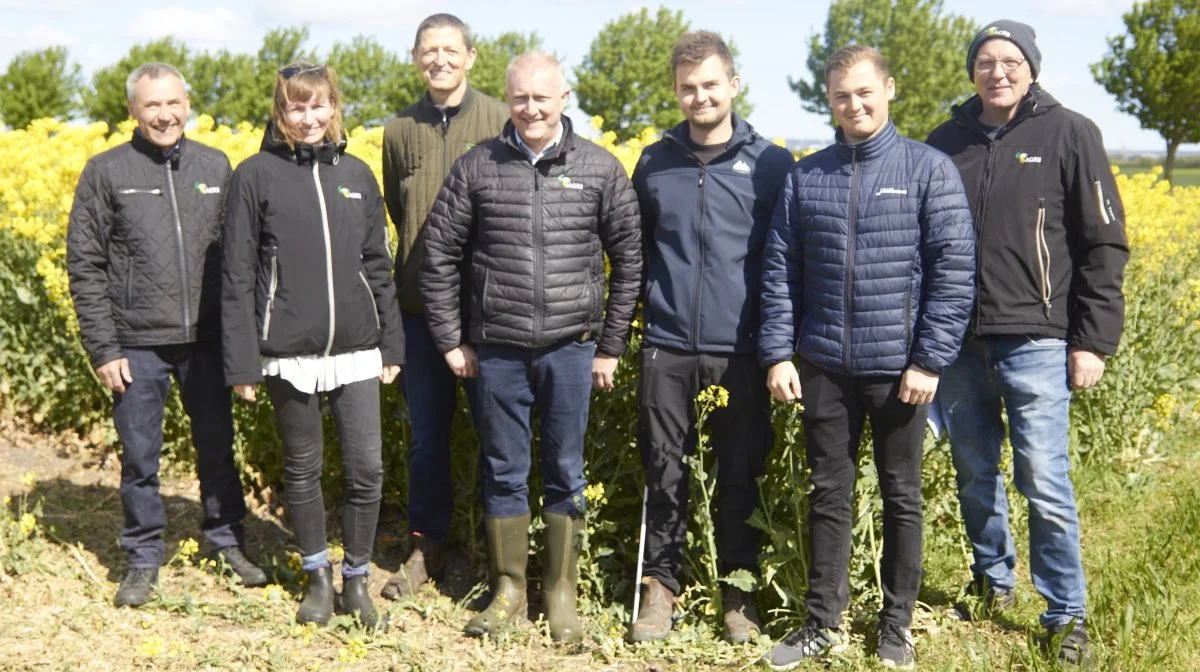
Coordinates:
868 273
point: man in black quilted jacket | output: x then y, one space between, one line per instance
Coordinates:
143 257
532 213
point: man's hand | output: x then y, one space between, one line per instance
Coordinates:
603 367
1084 368
246 392
917 386
783 381
463 362
115 374
390 371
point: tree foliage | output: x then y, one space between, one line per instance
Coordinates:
1153 71
39 84
925 49
375 82
105 100
495 53
626 76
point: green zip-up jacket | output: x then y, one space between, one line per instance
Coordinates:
419 147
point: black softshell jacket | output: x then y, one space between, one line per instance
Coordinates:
143 246
306 265
1049 223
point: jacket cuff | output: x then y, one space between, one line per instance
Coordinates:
105 356
935 366
1106 349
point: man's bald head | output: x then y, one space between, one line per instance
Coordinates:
535 62
537 92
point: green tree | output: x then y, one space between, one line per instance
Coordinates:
924 47
1152 71
495 53
626 76
375 82
39 84
226 86
105 100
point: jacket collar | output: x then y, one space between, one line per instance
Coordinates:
870 148
509 137
1037 101
743 134
429 112
302 153
144 146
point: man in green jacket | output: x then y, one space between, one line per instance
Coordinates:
419 147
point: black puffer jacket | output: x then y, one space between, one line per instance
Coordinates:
143 246
307 268
537 235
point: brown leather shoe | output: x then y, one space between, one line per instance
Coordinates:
426 563
741 616
655 612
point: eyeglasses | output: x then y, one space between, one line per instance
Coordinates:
1009 65
293 70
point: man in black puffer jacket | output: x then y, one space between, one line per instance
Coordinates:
538 208
144 261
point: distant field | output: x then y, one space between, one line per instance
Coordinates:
1183 176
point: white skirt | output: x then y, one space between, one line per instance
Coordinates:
320 373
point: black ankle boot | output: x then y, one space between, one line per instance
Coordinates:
317 605
356 600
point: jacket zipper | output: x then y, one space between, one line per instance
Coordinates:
185 286
984 182
1043 249
445 144
370 295
271 294
851 226
328 254
538 288
907 320
1100 203
699 266
135 190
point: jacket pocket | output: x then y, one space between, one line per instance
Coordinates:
370 297
484 302
1043 257
271 288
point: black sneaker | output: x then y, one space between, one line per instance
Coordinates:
988 600
896 648
248 573
136 587
811 641
1071 640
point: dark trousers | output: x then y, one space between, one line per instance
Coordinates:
298 418
557 380
431 390
741 438
835 408
138 416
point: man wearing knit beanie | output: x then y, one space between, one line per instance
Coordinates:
1051 247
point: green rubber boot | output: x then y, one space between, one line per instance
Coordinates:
508 541
563 536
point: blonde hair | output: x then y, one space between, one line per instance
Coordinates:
847 57
310 80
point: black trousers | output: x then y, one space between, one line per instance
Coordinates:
741 440
298 418
835 408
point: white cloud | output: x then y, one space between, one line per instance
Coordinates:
363 13
1091 8
216 26
16 39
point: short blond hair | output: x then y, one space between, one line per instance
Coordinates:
847 57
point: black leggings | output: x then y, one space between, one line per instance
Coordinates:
298 419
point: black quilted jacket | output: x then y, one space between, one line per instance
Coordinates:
143 246
535 237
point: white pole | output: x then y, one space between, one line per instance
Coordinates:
637 586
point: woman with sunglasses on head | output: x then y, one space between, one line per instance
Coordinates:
309 308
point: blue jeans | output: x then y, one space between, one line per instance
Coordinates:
1029 375
557 380
431 390
138 416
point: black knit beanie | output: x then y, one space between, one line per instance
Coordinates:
1016 32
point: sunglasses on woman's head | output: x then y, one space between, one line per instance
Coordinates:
293 70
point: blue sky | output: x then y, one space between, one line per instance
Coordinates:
771 37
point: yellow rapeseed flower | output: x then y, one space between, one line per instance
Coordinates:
152 647
28 479
28 525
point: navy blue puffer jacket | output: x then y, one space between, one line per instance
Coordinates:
869 266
